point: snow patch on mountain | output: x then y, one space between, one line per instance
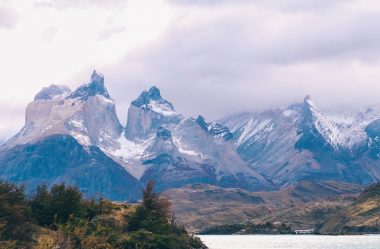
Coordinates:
129 153
161 108
288 112
352 127
187 151
324 126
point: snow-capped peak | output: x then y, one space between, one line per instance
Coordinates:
95 87
148 112
314 122
147 96
87 114
307 98
308 102
151 100
52 92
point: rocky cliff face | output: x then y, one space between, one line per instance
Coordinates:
147 113
214 128
88 114
62 138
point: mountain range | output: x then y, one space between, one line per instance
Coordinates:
76 137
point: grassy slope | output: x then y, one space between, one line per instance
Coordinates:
363 212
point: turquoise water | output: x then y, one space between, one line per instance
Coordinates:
291 242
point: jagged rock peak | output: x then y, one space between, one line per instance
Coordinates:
154 93
97 76
317 131
95 87
147 97
163 133
152 101
308 102
52 92
310 111
201 121
148 112
215 129
307 98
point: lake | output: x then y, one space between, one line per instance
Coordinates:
291 241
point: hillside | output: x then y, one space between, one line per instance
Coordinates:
304 206
330 208
362 216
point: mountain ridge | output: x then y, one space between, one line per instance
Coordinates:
300 141
261 151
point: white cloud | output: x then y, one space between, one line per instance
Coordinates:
8 16
252 55
209 57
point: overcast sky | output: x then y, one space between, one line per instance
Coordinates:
210 57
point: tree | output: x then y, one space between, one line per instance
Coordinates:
15 215
66 201
41 204
57 205
152 225
154 203
153 213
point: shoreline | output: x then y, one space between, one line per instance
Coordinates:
312 234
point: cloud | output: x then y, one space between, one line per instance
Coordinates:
49 34
221 59
8 17
81 4
110 31
208 57
280 5
14 115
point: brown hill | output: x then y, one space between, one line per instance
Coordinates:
362 216
308 204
